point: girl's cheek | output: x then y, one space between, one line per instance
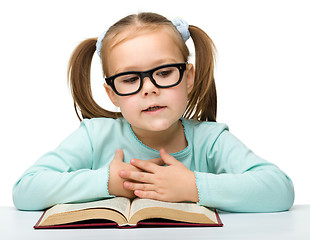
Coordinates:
128 106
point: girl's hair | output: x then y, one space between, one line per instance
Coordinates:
202 100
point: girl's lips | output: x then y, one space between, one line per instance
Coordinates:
153 109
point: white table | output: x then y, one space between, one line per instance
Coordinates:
292 225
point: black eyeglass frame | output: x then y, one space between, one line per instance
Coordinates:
149 74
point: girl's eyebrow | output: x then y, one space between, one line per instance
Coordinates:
153 65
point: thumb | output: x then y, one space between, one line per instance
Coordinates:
167 158
119 155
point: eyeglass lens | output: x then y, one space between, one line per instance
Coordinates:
164 77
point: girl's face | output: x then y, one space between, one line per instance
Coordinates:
151 109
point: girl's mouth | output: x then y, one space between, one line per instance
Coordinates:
153 108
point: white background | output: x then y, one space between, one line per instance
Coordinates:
262 75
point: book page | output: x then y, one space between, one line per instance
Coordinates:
119 204
139 204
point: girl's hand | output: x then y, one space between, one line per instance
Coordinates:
171 183
116 183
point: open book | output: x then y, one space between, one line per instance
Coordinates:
123 213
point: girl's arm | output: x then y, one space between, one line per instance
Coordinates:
241 181
64 175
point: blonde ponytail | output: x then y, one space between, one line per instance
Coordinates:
202 104
80 84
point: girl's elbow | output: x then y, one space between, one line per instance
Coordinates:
289 196
26 204
25 199
284 198
19 201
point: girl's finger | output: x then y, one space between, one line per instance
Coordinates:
119 155
138 186
147 194
145 165
167 158
142 177
157 161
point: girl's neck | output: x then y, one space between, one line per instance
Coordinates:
172 140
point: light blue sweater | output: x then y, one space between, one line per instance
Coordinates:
229 176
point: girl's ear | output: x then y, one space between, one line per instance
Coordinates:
111 94
190 77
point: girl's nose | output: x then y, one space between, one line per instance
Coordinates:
148 87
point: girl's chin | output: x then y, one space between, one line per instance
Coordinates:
152 128
156 126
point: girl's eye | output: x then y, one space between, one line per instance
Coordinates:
131 79
164 73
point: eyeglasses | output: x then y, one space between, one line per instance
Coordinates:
164 76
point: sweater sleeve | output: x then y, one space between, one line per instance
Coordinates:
63 175
241 181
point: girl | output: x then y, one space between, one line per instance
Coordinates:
165 143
